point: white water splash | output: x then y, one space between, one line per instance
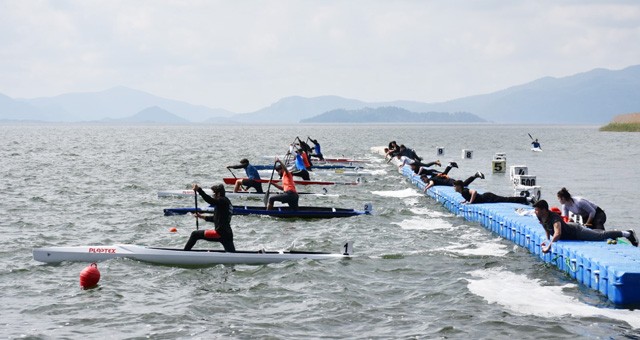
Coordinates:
481 249
418 223
516 292
409 192
430 212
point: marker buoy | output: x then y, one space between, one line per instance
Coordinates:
173 229
89 276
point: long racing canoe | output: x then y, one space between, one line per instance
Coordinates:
174 256
281 211
246 194
232 180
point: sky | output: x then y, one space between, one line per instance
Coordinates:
243 55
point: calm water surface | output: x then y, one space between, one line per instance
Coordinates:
420 271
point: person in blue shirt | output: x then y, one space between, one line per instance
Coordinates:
535 144
317 151
252 177
301 168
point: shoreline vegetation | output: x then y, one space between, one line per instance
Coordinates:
624 123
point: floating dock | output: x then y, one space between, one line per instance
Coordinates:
611 269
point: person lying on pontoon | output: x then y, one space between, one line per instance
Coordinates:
556 229
473 197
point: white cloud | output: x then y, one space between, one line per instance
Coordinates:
243 55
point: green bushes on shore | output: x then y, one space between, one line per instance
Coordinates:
621 127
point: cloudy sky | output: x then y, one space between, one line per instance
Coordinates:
244 55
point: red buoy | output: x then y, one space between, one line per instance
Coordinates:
89 276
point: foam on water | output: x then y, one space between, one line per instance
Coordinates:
430 212
479 249
516 292
409 192
419 223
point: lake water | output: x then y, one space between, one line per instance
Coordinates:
420 272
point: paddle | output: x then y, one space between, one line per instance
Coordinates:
195 194
266 194
234 176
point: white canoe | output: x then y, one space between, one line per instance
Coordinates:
172 256
250 194
536 149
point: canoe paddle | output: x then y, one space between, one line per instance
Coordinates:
266 194
234 176
195 192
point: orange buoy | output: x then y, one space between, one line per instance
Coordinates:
173 229
89 276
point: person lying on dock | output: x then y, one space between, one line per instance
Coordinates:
221 220
252 176
592 215
421 169
473 197
290 195
444 179
409 153
392 150
556 229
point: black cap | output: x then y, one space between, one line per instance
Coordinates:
542 204
244 161
218 188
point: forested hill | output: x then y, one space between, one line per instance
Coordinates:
391 114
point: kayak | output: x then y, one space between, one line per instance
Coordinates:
174 256
326 160
232 180
249 194
282 211
536 149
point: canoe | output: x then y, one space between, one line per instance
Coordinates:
327 160
232 180
174 256
315 166
536 149
281 211
230 194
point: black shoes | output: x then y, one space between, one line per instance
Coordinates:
632 238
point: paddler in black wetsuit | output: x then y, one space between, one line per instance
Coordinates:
221 219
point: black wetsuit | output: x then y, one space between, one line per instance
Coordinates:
574 231
221 219
489 197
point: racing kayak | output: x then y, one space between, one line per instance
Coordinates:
281 211
174 256
249 194
232 180
536 149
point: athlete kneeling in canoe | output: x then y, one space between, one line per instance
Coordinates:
221 219
252 177
290 195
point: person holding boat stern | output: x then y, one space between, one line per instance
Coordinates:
289 195
556 229
221 219
252 177
592 215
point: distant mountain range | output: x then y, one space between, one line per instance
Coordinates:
392 115
593 97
